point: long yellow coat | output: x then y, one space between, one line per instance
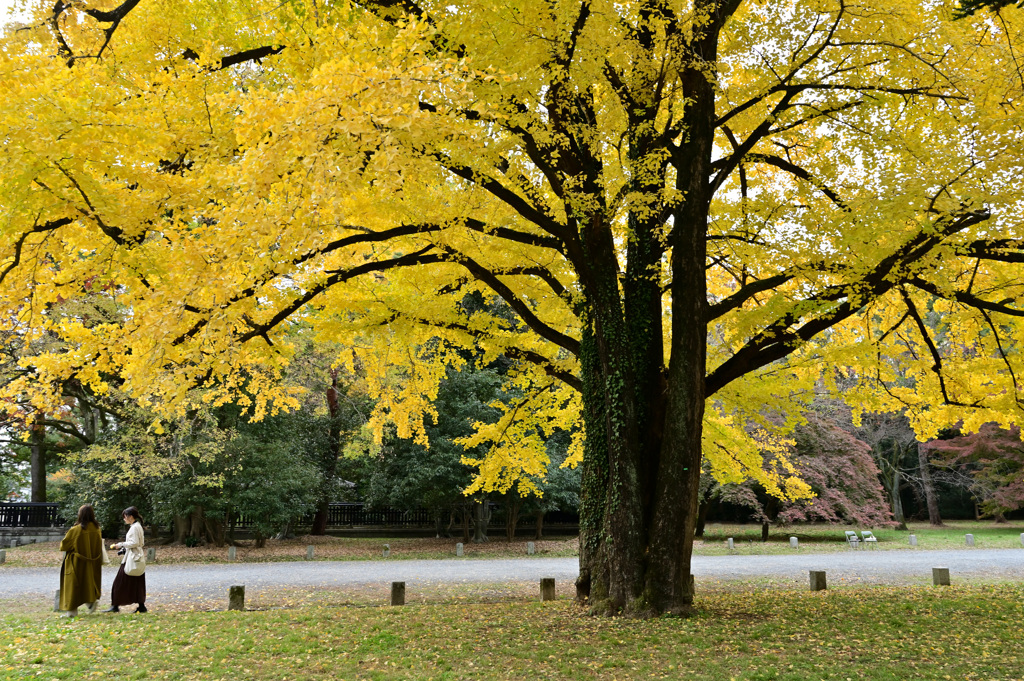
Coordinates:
80 576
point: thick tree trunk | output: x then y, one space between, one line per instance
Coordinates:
614 510
181 525
215 531
641 472
513 504
771 512
194 526
703 508
481 517
892 486
333 453
931 500
644 422
320 519
668 584
38 461
197 524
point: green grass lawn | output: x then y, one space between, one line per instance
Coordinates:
960 632
831 538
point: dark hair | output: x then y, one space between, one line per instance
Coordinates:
86 515
133 512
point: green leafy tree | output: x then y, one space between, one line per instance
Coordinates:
12 477
273 487
407 474
199 473
334 408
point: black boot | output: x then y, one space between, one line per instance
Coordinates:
141 608
113 608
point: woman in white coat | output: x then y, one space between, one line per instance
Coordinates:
127 589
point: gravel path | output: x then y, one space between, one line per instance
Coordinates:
186 582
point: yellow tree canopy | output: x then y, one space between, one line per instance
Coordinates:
666 204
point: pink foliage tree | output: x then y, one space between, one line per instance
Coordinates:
841 471
843 474
992 463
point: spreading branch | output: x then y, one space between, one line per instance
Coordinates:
930 344
836 303
521 307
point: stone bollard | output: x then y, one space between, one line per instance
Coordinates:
729 544
794 543
236 597
818 580
1022 538
3 554
547 588
458 549
56 600
387 551
309 552
397 593
969 539
913 540
232 553
150 555
940 576
14 543
531 548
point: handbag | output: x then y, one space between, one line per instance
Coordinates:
103 549
134 566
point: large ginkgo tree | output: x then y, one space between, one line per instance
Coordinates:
673 219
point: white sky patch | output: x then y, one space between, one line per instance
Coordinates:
5 9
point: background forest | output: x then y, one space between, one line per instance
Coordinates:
200 472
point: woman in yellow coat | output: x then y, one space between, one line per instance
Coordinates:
83 560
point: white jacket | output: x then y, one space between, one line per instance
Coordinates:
134 541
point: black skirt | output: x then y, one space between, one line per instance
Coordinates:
127 589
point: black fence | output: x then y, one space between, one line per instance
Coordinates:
338 515
31 515
350 515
